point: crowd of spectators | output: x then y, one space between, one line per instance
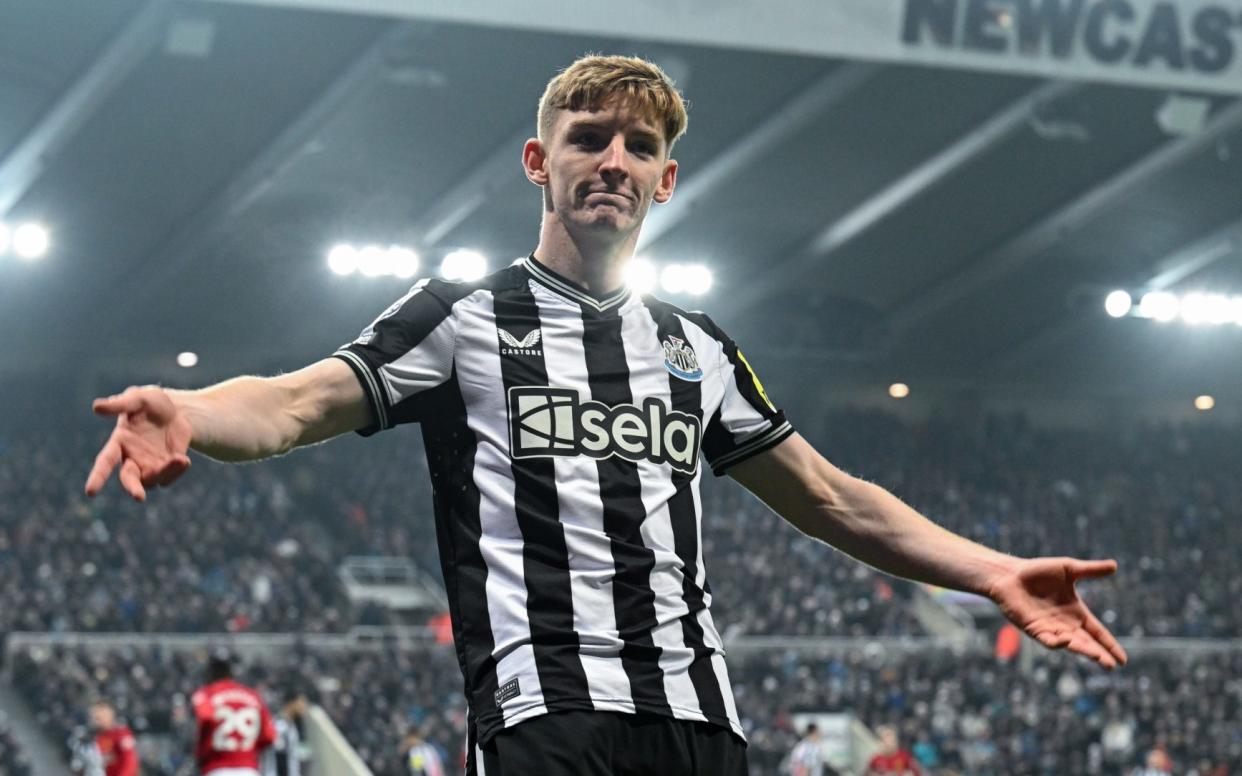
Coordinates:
967 714
256 548
975 715
233 548
1162 500
229 549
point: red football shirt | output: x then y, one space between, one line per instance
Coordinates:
234 725
118 750
899 762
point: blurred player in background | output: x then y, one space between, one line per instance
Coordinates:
807 758
285 756
115 751
892 760
233 724
421 758
1157 763
564 418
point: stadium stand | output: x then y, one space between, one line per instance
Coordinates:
962 713
255 549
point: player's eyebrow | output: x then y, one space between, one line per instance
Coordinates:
641 133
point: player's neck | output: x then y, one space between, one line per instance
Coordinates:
596 265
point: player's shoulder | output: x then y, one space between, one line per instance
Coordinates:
662 307
454 291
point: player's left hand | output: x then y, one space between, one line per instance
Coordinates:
1038 595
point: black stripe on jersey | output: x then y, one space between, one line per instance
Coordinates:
746 381
687 396
451 447
549 602
620 489
753 446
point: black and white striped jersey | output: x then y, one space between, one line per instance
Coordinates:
563 433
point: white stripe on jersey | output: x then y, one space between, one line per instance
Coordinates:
421 366
478 366
649 377
582 515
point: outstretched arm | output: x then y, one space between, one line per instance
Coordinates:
874 526
243 419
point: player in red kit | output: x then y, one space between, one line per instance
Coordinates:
118 751
234 725
892 759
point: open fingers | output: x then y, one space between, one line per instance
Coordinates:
1052 639
1093 569
1097 631
1083 644
171 471
129 401
105 462
131 480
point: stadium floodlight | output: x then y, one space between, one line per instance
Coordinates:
1118 304
4 238
463 265
1159 305
693 279
402 261
698 279
374 261
187 359
1204 403
1198 309
1235 310
30 241
343 259
673 279
641 275
899 390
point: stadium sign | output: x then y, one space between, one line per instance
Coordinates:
1178 44
1139 36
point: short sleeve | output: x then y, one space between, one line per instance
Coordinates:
747 422
405 352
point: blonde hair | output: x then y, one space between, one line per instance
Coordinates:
593 80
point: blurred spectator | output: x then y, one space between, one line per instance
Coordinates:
12 759
1157 764
421 758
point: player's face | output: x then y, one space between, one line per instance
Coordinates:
602 169
101 717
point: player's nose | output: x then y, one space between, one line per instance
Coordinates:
613 159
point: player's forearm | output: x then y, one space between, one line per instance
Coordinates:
243 419
874 526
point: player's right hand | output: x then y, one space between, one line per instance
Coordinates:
150 442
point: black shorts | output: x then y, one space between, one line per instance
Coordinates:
606 743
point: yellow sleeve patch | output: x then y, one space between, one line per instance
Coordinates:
755 379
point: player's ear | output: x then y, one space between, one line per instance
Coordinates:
535 162
668 181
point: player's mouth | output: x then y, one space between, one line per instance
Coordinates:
606 197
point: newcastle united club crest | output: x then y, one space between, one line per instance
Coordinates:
680 360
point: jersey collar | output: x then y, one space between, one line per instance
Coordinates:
567 288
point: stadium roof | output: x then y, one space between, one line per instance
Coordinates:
868 220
